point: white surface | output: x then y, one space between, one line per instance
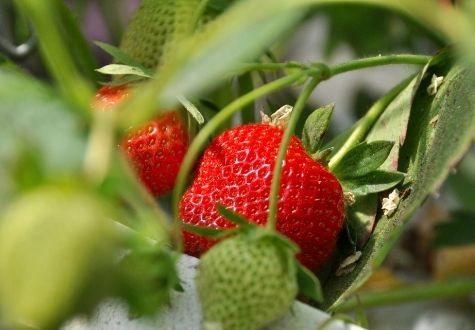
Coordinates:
184 312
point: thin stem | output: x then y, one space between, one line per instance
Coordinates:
378 61
203 136
296 112
247 67
340 68
428 291
367 122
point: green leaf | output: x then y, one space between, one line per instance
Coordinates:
121 69
391 126
76 41
232 216
373 182
361 217
44 17
315 127
192 109
148 274
119 56
458 230
430 150
309 285
363 159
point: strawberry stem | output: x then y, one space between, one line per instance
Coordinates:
203 136
340 68
418 292
298 108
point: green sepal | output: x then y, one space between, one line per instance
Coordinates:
192 109
123 69
373 182
363 159
309 284
323 156
232 216
208 232
315 127
119 56
256 232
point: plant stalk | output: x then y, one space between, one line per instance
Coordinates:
428 291
296 112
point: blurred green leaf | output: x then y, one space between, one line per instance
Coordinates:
458 230
378 31
315 127
39 134
148 275
47 20
75 40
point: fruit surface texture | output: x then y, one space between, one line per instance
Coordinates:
156 149
236 171
246 283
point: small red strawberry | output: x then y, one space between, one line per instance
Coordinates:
156 149
236 171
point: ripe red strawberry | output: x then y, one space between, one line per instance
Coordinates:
236 171
155 149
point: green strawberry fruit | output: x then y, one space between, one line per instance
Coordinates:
156 27
246 282
52 241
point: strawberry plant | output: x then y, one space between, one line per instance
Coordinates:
100 195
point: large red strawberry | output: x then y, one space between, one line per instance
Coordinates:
236 171
155 149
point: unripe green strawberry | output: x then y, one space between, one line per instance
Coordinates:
53 241
246 282
157 26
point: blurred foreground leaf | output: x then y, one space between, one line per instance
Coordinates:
38 134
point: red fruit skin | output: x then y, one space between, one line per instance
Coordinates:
236 171
156 149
